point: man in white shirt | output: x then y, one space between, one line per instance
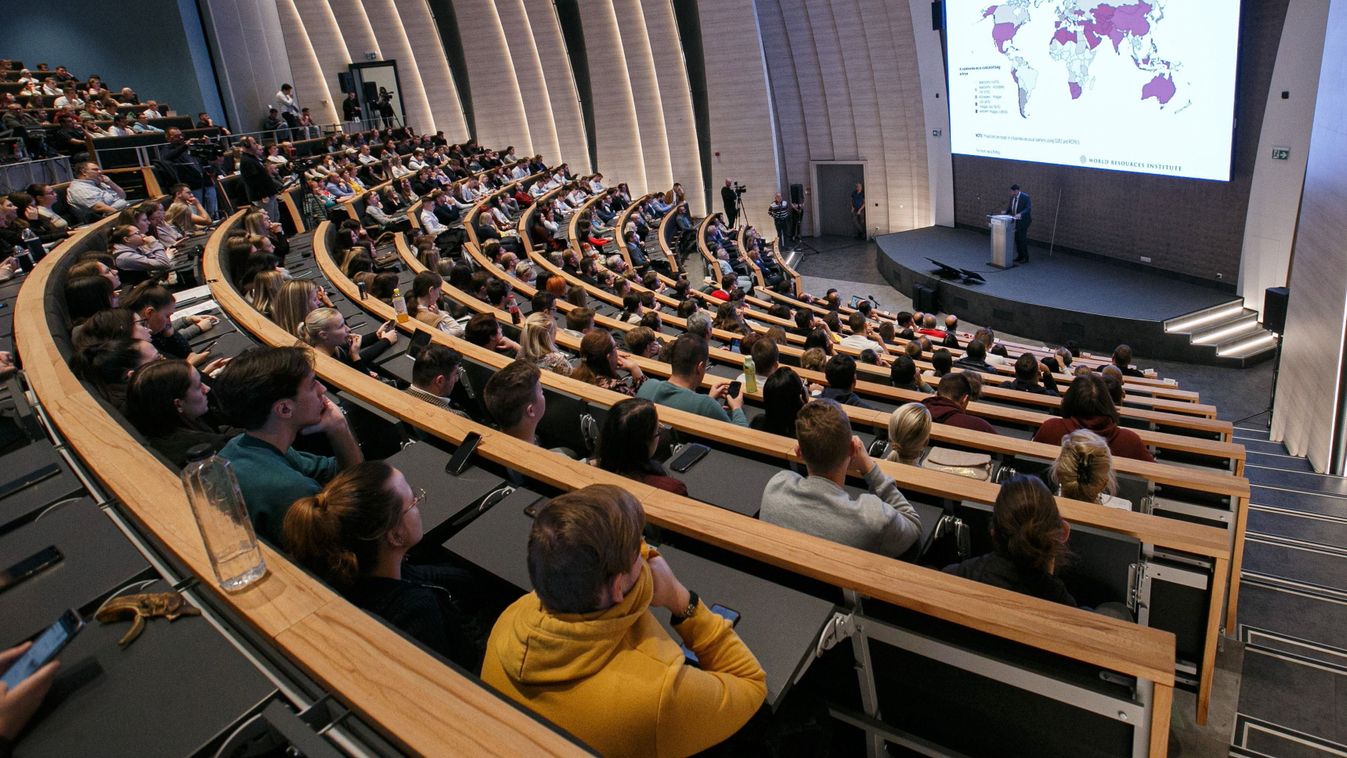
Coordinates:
143 125
862 335
93 194
120 127
429 221
69 100
152 111
285 103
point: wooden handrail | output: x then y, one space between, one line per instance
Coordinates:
360 660
1078 634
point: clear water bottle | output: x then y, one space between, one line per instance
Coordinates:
34 245
222 518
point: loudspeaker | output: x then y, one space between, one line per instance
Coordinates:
923 299
1274 309
345 81
937 15
797 194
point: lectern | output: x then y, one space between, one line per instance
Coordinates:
1003 241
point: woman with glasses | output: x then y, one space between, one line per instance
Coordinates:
355 534
627 444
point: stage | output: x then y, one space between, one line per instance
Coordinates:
1053 299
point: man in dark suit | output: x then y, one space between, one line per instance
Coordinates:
257 180
729 198
1022 210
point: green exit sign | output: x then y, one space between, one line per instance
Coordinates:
1281 153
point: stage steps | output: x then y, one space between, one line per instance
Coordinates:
1226 334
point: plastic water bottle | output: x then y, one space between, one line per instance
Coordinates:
750 375
34 245
222 518
400 306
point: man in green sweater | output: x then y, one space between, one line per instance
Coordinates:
687 359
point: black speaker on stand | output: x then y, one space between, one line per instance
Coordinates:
1275 300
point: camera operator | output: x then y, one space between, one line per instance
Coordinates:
731 200
182 158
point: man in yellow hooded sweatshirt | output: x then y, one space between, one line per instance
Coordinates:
584 651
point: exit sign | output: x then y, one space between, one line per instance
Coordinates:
1281 153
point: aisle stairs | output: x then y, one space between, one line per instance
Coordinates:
1293 608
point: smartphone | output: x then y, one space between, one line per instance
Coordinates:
692 452
531 510
44 648
736 344
459 462
729 614
418 343
29 567
389 324
735 386
855 301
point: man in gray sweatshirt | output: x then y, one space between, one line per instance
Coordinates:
881 521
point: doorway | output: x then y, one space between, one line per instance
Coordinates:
833 184
380 92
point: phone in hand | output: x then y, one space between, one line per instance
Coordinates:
29 567
459 462
729 614
736 345
734 389
420 339
389 324
44 648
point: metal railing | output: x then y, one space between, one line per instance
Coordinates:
15 177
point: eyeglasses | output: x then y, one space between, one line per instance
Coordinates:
418 500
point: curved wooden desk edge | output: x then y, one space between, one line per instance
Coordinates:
389 681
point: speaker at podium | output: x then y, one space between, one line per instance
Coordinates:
1003 240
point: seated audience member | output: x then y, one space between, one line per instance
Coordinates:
600 364
484 331
766 357
1087 405
87 295
909 431
273 394
538 344
1031 376
1122 358
584 651
514 398
881 521
423 303
355 534
166 402
92 194
783 395
376 216
434 375
814 359
841 374
903 375
325 330
951 331
862 335
627 444
687 362
942 362
1029 542
297 298
107 324
131 250
974 358
155 305
949 404
108 366
644 342
1084 470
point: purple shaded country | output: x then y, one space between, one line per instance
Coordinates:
1075 90
990 10
1003 33
1132 19
1064 36
1161 88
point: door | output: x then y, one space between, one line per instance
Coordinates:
835 184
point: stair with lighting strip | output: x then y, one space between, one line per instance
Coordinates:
1225 335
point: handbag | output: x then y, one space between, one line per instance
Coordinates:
960 463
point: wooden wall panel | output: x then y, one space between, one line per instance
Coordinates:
617 129
742 127
446 110
569 120
356 32
329 48
818 22
528 71
310 84
856 59
1309 391
645 92
809 79
675 94
900 118
792 128
392 37
497 107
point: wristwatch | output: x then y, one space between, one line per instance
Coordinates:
688 612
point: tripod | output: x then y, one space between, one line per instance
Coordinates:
1272 393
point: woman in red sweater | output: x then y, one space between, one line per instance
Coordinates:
1087 405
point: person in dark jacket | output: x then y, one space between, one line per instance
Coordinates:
355 534
627 445
949 404
166 402
1087 405
841 373
1031 376
1029 543
974 358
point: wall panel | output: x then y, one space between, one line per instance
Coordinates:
645 93
528 72
498 110
392 38
250 57
356 32
310 86
742 127
446 110
788 108
675 94
616 126
572 138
